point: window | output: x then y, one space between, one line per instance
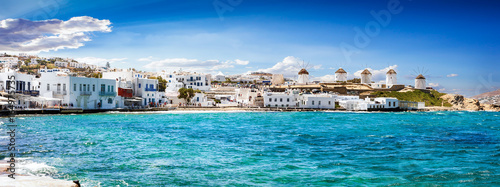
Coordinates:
84 87
110 101
103 88
112 88
281 99
80 87
93 87
287 99
64 87
270 100
275 100
48 87
74 87
312 102
88 87
389 104
109 88
139 85
319 102
329 103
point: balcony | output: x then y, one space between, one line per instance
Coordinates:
60 92
150 89
86 93
107 93
32 93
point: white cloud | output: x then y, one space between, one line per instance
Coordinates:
289 67
21 35
326 78
148 59
434 85
194 65
452 75
100 61
241 62
377 75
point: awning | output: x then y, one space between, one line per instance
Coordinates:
45 99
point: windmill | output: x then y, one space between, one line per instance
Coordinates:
303 73
420 80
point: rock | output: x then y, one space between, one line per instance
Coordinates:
489 107
459 102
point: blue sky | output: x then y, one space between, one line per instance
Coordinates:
454 43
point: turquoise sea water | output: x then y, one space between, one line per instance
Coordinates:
264 148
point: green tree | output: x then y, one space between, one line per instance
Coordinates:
162 83
95 75
187 94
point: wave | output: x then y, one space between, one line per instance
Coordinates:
30 173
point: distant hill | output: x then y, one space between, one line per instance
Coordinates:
489 97
487 94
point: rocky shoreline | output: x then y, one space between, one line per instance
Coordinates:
461 103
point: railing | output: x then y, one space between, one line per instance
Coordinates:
86 93
60 92
33 93
107 93
151 89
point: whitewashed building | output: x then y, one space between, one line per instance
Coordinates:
295 99
196 81
282 99
81 92
77 65
24 83
220 77
380 103
146 90
61 64
9 62
247 96
33 61
319 101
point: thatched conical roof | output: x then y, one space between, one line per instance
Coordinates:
303 71
391 71
341 71
420 77
366 72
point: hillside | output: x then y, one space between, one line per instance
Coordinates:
487 94
430 99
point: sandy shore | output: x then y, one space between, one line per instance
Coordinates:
29 181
